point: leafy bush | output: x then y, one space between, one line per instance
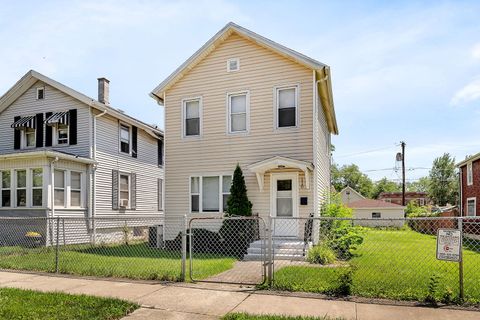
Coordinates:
321 254
413 210
345 240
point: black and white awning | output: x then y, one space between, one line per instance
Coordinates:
24 122
59 117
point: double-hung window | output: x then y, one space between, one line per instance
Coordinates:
238 112
37 187
209 193
124 190
75 189
29 137
21 188
469 174
124 138
287 105
191 114
6 189
62 134
471 207
59 190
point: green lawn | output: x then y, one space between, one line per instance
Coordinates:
16 304
395 264
135 261
245 316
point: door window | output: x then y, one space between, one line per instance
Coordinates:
284 198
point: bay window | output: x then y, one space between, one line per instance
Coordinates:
209 193
59 190
75 189
37 187
21 188
6 189
287 104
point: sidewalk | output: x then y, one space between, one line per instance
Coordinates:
190 301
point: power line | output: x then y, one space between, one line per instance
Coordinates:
365 152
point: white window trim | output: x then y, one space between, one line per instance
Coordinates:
23 142
55 136
11 188
70 189
474 199
276 101
469 174
36 94
184 114
129 175
238 64
22 188
37 188
200 192
247 112
120 125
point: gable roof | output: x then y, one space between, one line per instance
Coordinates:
351 189
475 157
371 203
31 77
322 71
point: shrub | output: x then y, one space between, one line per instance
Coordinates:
433 290
345 240
321 254
345 283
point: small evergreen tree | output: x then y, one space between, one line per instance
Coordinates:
238 203
237 234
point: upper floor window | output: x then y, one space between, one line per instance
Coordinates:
233 64
286 105
40 93
6 188
191 114
124 138
469 174
238 112
28 137
61 134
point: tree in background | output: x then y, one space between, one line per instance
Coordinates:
443 187
421 185
350 175
385 185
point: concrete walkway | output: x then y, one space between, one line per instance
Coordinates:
205 302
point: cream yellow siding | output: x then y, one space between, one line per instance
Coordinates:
216 151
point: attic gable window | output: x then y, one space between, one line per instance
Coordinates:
233 64
40 93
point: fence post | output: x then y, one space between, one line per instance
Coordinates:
460 263
57 244
269 251
184 249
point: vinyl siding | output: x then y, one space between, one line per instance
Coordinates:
217 152
54 101
145 166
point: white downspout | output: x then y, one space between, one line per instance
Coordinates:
94 175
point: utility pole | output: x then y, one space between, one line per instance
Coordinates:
402 143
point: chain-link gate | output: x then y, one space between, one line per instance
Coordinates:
236 244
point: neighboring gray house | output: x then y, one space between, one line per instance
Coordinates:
65 154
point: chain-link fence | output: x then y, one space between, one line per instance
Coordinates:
380 258
239 241
129 247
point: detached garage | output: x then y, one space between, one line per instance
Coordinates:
377 212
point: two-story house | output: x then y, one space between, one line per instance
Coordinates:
242 98
65 154
470 186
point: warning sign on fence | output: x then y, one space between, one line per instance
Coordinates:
449 242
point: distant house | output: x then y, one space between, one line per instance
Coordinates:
470 185
421 198
377 212
348 195
63 154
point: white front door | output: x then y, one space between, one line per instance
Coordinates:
284 205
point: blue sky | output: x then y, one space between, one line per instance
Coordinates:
401 70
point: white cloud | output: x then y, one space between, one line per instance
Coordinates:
468 93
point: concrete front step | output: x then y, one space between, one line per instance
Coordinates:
276 251
259 257
283 249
